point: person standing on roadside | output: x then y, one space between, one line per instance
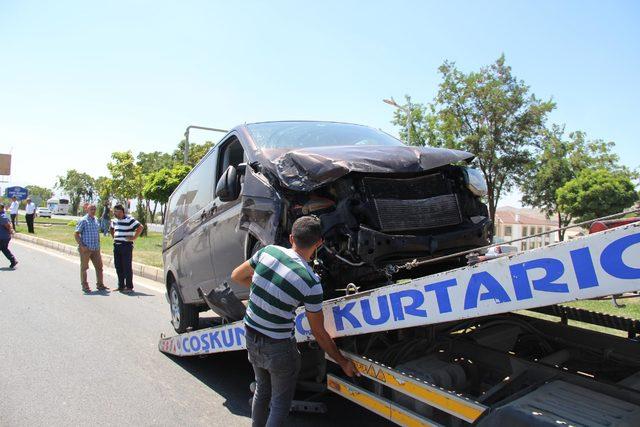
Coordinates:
125 230
6 230
13 211
30 207
88 237
281 279
105 221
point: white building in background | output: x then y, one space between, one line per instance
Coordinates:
515 223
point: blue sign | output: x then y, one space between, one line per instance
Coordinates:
20 193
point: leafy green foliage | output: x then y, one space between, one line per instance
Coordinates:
559 161
154 161
126 176
127 182
104 189
39 195
595 193
489 113
196 152
78 186
159 185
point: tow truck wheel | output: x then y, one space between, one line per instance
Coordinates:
183 316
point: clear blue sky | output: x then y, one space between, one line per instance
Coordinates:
79 80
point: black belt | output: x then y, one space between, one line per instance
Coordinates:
251 331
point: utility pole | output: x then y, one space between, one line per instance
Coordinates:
186 138
407 111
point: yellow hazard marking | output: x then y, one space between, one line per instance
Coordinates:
371 371
456 407
378 405
423 392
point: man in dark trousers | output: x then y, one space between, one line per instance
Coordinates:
280 280
30 214
6 230
124 230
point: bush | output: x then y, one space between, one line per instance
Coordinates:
72 223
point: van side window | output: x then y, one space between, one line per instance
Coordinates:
231 154
194 193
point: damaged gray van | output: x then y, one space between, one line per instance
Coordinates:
381 204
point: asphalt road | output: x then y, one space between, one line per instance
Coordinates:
72 359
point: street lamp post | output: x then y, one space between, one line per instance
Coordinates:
407 111
186 138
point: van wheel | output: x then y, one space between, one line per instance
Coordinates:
255 248
183 316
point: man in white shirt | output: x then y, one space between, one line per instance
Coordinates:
31 213
13 211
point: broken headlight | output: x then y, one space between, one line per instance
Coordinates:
475 181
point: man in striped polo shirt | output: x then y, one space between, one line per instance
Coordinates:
124 230
280 280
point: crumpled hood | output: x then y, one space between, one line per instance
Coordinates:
309 168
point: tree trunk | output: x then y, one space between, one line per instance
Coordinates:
153 214
492 204
560 232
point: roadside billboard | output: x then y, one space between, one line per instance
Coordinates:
5 164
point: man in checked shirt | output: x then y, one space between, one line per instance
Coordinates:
88 237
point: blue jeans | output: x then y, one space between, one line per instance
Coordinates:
276 364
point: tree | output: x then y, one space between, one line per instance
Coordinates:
78 186
559 161
154 161
159 185
127 182
595 193
489 113
39 195
104 191
125 176
196 152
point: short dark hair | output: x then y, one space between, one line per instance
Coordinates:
306 231
119 207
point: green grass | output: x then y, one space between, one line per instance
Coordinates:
147 250
631 309
23 223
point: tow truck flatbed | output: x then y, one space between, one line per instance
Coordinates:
589 267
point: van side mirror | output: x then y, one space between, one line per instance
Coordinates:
228 186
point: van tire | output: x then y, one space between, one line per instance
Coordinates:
257 245
183 316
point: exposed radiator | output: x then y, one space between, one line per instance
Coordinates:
419 187
418 214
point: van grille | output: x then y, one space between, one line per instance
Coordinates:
407 188
418 214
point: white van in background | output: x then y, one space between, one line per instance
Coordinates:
58 206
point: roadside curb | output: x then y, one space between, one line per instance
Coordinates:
142 270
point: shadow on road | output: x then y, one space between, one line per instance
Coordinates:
138 294
95 293
6 269
229 374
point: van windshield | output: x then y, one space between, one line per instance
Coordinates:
316 134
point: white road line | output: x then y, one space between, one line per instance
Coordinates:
143 282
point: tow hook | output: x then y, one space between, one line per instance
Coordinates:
351 289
